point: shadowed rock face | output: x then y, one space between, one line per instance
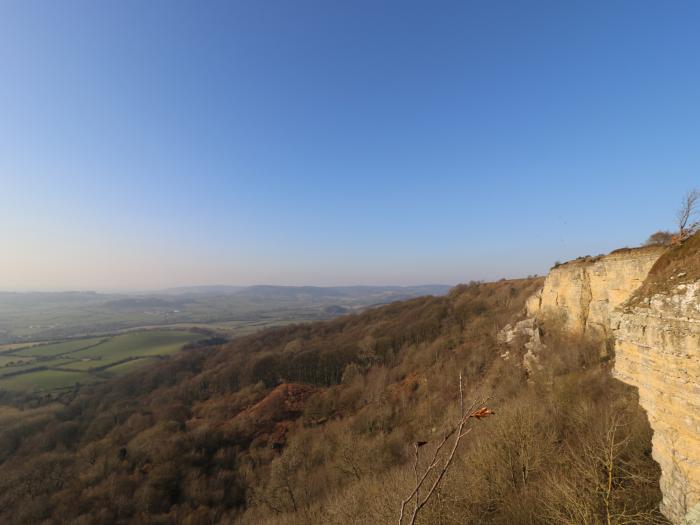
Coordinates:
657 349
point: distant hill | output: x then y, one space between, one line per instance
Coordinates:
141 303
55 315
266 290
361 293
201 290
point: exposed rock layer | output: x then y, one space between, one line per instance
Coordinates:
584 292
657 349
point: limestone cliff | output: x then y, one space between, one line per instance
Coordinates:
657 349
583 293
647 303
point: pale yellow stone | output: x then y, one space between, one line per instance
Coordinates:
583 293
657 349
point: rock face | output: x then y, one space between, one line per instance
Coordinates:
583 293
657 349
530 332
656 336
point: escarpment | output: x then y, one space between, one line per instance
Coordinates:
646 304
583 293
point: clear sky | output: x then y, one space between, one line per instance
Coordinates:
162 143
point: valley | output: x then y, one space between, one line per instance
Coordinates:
49 316
322 423
349 263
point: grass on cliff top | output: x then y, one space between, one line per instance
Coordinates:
680 264
586 259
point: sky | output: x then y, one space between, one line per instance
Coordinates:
163 143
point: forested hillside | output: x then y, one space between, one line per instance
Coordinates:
320 423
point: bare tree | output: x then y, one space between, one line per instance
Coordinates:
687 225
427 482
602 475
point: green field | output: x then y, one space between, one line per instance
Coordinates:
146 343
13 346
32 364
60 365
128 366
59 348
6 360
25 366
46 380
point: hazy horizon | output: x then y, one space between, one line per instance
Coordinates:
147 146
172 288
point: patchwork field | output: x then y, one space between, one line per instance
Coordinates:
58 348
6 360
64 364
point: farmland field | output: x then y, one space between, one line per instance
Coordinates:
45 380
6 360
59 348
33 364
61 365
128 366
51 341
15 346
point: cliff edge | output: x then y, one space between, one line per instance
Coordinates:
645 303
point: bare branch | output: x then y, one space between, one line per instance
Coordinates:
687 225
437 463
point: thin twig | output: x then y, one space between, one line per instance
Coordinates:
458 431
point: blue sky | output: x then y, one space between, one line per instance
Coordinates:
151 144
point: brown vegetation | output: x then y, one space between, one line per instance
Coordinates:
427 479
680 264
320 424
660 238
